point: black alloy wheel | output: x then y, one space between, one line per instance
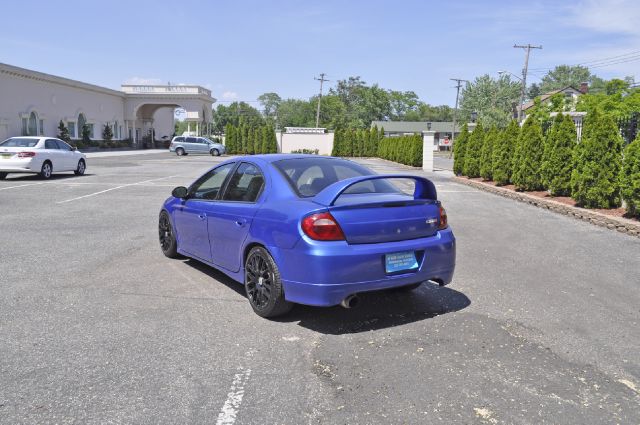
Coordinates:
263 284
167 237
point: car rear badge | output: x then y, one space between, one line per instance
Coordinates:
431 221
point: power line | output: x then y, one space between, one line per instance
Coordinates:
528 48
322 80
606 61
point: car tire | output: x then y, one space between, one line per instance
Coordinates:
263 284
408 288
81 168
3 176
167 236
180 152
214 152
46 171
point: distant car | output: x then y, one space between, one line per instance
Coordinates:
310 230
183 145
40 155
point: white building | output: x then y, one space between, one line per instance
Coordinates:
33 103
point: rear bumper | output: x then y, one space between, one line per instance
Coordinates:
26 165
323 274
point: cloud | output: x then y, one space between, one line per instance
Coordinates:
140 81
229 95
612 16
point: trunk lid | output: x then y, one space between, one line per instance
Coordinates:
378 217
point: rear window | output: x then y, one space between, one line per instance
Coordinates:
20 142
308 176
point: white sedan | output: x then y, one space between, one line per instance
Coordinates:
40 155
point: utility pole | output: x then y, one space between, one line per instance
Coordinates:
528 48
322 80
455 111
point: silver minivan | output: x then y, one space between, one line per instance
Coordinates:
183 145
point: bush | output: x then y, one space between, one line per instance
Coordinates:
472 152
503 150
405 149
630 178
557 161
86 134
486 154
459 146
63 132
528 157
107 133
597 162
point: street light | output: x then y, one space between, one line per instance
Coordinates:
428 126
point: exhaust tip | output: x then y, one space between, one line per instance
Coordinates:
351 301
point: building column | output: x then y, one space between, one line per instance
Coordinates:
428 137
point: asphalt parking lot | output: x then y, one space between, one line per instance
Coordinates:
540 324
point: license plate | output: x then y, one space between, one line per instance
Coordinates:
6 155
400 261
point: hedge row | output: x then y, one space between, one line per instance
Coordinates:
596 172
249 140
357 142
404 149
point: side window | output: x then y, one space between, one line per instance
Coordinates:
208 186
179 140
245 185
50 144
191 140
63 146
202 141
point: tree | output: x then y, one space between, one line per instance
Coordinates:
597 164
534 91
472 152
486 154
491 98
503 152
557 158
63 132
236 113
230 138
528 157
107 133
270 103
630 178
565 75
459 148
86 133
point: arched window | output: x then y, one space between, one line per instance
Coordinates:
81 122
33 124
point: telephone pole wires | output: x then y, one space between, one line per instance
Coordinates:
527 48
322 80
455 111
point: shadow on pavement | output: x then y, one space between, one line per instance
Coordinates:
377 310
13 177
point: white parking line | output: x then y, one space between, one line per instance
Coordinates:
229 410
22 185
113 188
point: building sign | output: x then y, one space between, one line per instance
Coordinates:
445 142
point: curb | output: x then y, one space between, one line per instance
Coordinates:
598 219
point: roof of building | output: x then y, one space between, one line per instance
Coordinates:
543 97
416 126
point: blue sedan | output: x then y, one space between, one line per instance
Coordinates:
310 230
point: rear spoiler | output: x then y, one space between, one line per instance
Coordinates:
425 189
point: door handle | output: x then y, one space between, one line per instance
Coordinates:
202 216
241 223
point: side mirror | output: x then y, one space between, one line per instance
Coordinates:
180 192
73 148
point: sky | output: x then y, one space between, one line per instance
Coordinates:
241 49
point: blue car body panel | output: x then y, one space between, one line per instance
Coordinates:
320 273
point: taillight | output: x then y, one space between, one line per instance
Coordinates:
443 222
26 154
322 227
